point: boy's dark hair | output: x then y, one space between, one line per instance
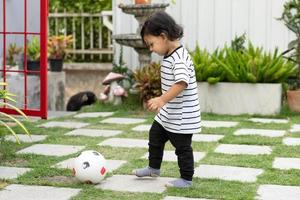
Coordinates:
161 22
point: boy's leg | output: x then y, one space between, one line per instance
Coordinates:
157 140
184 152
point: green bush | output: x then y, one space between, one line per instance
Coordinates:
33 49
291 19
245 65
207 69
147 81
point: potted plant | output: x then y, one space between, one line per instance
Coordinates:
291 18
33 55
57 46
14 56
233 78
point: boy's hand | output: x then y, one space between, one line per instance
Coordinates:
155 104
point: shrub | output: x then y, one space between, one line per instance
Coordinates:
13 52
255 66
57 46
33 49
207 69
291 18
148 81
241 64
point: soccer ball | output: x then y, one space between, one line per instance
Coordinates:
90 167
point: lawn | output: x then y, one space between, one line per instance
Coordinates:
44 174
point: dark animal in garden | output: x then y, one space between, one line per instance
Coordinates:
81 99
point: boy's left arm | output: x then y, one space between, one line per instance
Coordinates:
157 103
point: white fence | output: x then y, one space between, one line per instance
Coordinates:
95 35
212 23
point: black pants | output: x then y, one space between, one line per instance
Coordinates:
158 136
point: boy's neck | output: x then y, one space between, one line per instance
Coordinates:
172 46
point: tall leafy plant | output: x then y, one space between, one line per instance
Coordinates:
252 65
291 18
33 49
147 81
239 63
5 96
207 69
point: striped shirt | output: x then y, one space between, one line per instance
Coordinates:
181 114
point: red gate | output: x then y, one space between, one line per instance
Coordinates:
23 34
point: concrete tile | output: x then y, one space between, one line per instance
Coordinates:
56 114
171 156
115 120
289 141
94 114
94 132
111 164
32 192
269 120
64 124
123 142
206 137
286 163
142 128
51 149
243 149
260 132
12 172
26 138
295 128
66 164
278 192
183 198
134 184
228 173
218 124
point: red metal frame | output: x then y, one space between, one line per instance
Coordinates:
42 112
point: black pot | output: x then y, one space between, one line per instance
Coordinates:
56 65
33 66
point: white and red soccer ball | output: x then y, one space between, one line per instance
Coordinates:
90 167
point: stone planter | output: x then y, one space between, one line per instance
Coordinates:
56 90
240 98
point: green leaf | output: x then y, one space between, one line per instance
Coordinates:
10 130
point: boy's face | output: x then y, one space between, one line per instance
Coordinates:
157 44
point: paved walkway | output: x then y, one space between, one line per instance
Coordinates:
112 139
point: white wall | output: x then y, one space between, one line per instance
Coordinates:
212 23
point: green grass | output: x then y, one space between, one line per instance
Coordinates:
44 174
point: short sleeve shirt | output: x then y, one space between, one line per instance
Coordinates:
182 114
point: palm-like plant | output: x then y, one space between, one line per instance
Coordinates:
291 19
4 97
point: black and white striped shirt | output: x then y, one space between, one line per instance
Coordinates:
181 114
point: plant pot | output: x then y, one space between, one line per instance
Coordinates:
33 66
142 1
293 98
56 65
